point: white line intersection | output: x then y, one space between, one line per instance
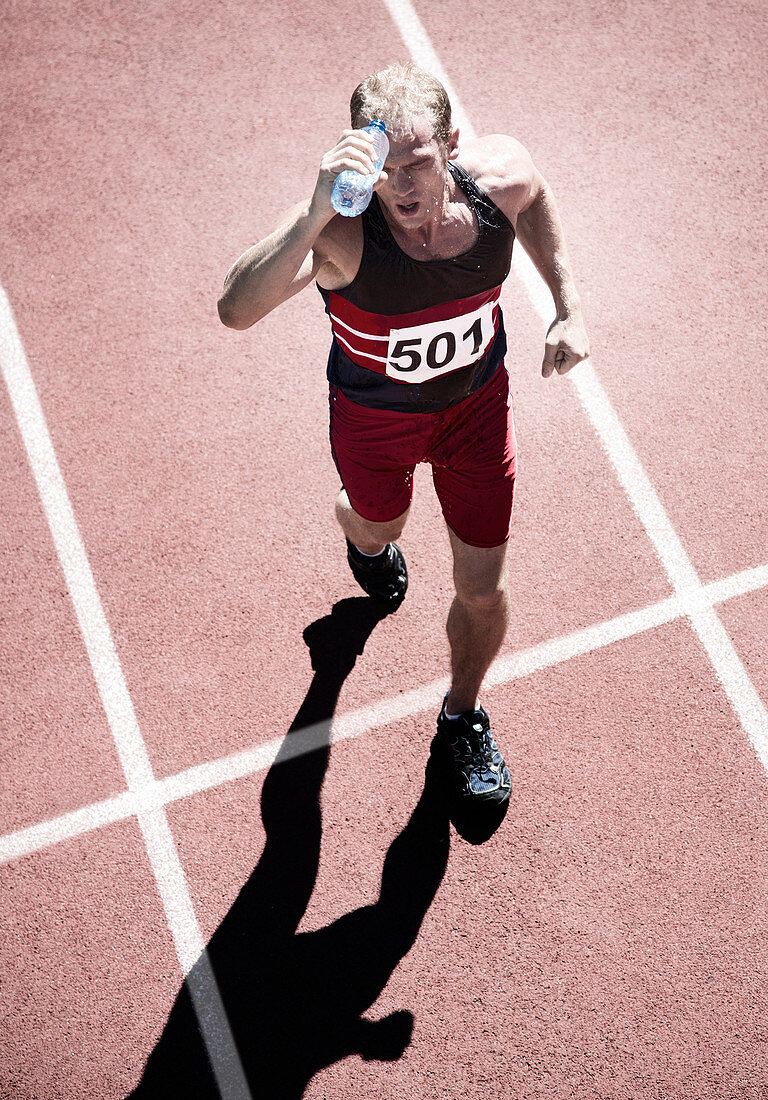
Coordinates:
248 762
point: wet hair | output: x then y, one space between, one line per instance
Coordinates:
399 94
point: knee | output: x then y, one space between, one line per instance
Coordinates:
358 528
483 595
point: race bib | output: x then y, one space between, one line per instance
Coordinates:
423 352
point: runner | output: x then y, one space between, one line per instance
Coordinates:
416 367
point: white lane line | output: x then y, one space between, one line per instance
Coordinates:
707 626
694 597
248 762
118 707
749 580
419 45
35 838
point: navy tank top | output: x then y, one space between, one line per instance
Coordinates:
421 335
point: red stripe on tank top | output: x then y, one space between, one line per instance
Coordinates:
379 324
364 336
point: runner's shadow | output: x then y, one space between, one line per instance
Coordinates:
295 1000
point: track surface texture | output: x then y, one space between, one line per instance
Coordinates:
218 862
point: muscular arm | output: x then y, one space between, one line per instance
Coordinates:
308 241
527 200
273 270
541 234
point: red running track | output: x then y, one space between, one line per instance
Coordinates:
610 941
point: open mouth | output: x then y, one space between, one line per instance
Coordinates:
407 208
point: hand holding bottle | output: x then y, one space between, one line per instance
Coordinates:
352 190
357 157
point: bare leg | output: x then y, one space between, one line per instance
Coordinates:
477 620
367 536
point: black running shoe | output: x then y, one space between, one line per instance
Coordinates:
477 775
385 577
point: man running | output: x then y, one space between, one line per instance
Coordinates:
416 367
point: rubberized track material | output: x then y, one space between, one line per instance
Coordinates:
182 642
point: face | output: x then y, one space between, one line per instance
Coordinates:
417 175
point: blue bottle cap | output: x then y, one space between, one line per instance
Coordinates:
378 124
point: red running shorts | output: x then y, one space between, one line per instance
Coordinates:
471 448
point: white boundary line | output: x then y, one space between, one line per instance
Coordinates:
142 786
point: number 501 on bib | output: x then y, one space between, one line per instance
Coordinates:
423 352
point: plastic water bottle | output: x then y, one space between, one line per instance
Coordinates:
352 190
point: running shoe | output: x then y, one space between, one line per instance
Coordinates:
385 577
476 773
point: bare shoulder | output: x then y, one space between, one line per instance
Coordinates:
502 167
